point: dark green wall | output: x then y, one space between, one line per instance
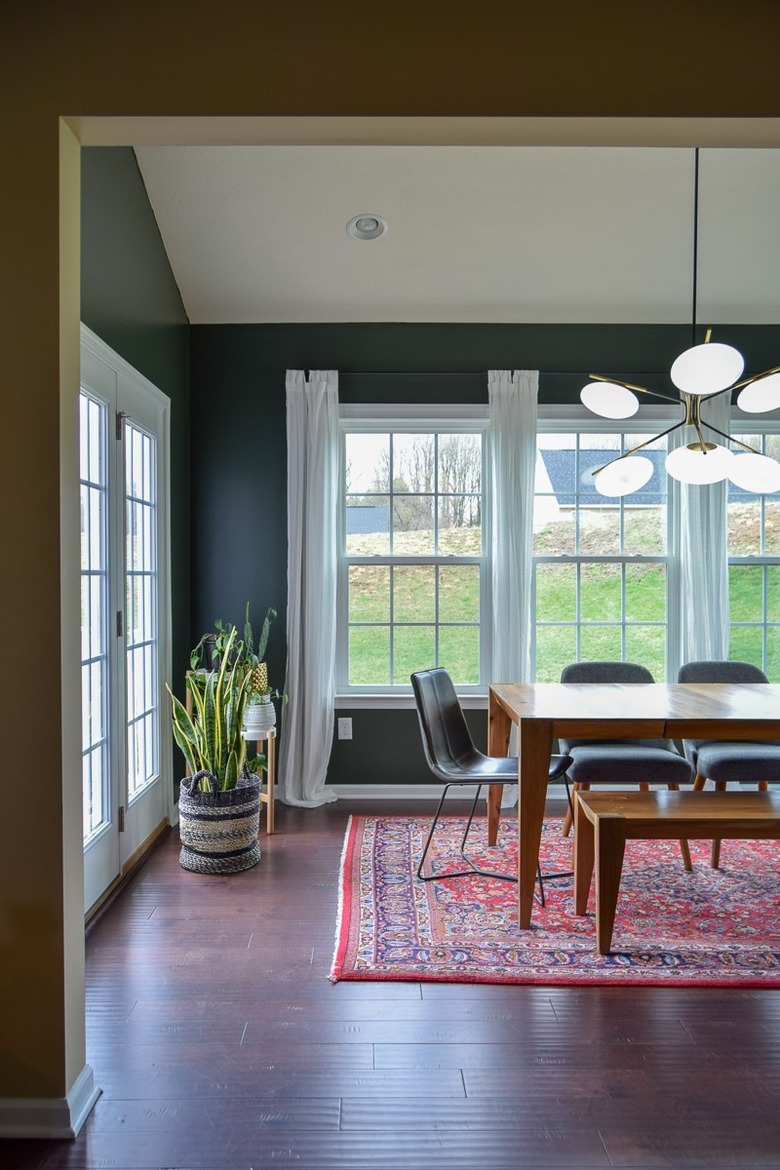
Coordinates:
130 300
239 454
228 443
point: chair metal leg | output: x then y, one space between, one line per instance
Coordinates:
474 868
568 873
460 873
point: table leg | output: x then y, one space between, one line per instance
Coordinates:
499 728
270 773
610 849
495 792
534 750
584 854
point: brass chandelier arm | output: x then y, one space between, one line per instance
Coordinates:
730 438
755 378
638 389
639 447
697 427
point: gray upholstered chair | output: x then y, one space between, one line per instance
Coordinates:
454 759
723 761
626 762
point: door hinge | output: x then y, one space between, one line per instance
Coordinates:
121 415
121 818
119 624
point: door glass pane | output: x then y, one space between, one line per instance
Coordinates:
93 417
141 586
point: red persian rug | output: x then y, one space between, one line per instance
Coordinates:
706 928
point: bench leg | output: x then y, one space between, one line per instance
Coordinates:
610 850
684 847
584 853
567 823
715 858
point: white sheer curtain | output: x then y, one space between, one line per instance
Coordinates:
703 545
312 486
512 396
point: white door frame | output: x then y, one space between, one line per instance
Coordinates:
126 393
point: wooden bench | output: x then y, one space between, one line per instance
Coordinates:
604 821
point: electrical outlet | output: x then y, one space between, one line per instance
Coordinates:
345 729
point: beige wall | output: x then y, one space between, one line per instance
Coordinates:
674 59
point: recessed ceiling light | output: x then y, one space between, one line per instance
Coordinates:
366 227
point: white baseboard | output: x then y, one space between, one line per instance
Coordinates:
427 792
387 791
50 1117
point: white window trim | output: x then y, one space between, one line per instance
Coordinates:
399 418
556 418
562 419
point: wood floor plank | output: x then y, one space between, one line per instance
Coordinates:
220 1044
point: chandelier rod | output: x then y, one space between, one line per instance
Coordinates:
695 241
639 446
731 438
632 386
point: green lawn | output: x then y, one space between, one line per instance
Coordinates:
607 594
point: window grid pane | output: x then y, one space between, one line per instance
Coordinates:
413 503
141 583
594 597
754 571
93 422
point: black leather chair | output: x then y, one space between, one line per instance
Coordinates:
724 761
453 759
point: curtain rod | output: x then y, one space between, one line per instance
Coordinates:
475 373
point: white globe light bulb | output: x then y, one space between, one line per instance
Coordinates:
624 476
609 400
761 395
707 369
692 465
755 473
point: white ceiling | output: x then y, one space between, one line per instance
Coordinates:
476 233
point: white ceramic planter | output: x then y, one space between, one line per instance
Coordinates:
258 718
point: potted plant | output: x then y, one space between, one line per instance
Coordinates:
219 802
259 713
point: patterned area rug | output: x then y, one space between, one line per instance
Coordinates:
705 928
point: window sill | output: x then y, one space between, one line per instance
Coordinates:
399 702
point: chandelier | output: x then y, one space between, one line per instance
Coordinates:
701 373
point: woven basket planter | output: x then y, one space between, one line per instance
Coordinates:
218 830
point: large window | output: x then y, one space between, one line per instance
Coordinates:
413 566
414 586
600 565
754 569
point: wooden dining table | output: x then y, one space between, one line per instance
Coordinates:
543 712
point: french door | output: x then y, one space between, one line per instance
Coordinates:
124 612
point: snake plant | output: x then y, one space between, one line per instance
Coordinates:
210 735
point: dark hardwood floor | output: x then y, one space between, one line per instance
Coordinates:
220 1043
